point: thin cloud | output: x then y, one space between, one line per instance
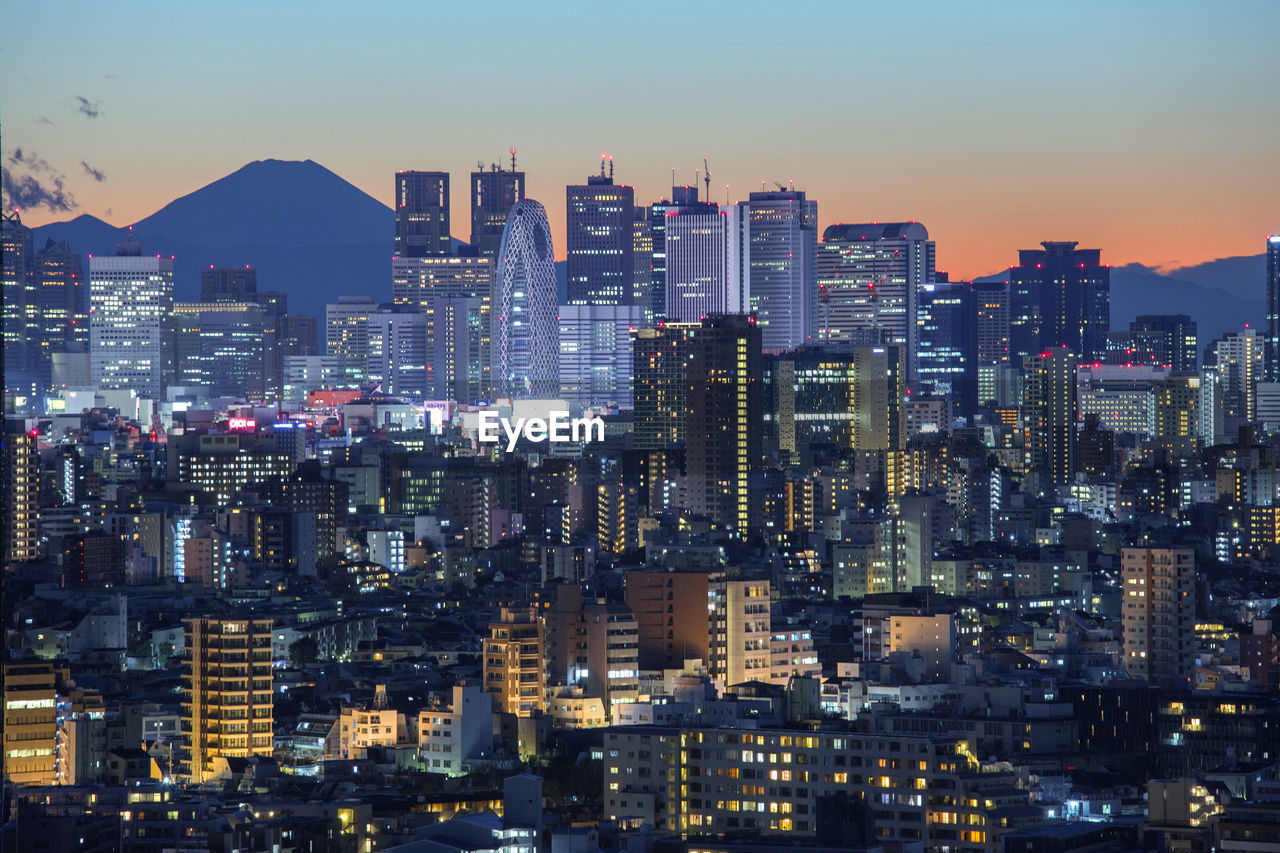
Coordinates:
97 174
86 107
44 120
31 182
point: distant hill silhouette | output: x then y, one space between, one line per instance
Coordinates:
316 237
308 232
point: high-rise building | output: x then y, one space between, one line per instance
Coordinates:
642 263
947 344
991 303
739 633
227 695
30 723
131 298
228 284
659 357
724 429
671 610
595 354
1177 414
1158 612
299 335
21 314
869 278
707 257
525 351
346 329
1175 335
515 665
493 193
64 310
1060 296
1049 413
877 397
422 214
782 287
455 293
593 644
657 214
221 346
222 465
1238 360
397 358
599 243
1271 360
21 493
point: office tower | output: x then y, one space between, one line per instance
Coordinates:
30 723
991 302
131 299
21 494
21 314
1159 608
642 263
869 277
1271 359
493 194
346 329
1121 395
877 397
1059 296
458 349
947 344
525 352
707 258
64 309
222 347
222 465
1175 335
515 664
397 357
738 645
671 612
599 244
1049 413
299 335
782 288
422 214
659 357
1177 414
723 431
228 284
1238 360
657 215
227 694
447 289
595 354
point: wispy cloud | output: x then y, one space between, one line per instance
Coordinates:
97 174
86 107
43 120
31 182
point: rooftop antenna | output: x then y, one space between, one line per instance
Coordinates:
696 179
706 176
513 159
602 156
673 178
726 195
610 167
479 165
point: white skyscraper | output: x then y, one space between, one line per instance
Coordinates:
706 261
871 275
595 353
525 339
397 357
782 290
131 309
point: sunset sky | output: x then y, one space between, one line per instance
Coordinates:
1148 129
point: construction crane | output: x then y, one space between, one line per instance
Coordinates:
780 187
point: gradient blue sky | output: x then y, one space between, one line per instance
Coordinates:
1149 129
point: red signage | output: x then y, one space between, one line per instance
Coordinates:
242 424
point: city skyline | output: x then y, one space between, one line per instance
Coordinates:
1167 119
